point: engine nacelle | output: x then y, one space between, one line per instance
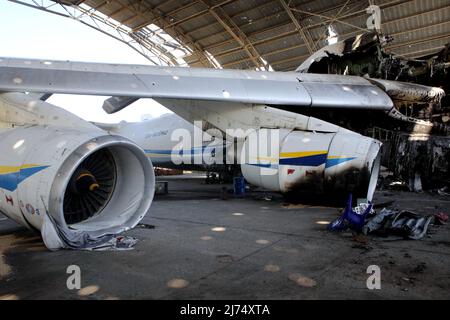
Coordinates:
77 184
312 162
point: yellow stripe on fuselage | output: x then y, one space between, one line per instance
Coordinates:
268 159
337 157
14 169
302 154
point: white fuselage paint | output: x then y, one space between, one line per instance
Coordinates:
161 142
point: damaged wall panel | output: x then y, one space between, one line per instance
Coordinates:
424 155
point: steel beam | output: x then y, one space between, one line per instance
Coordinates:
177 33
306 36
236 33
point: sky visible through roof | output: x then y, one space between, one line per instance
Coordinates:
30 33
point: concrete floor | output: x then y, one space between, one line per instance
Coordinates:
203 247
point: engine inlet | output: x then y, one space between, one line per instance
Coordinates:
90 187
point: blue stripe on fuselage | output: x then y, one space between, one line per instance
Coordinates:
10 181
337 161
309 161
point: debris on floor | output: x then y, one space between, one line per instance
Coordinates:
145 226
264 197
352 218
57 236
440 219
118 243
444 191
405 224
377 222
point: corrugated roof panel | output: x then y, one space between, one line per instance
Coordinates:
417 25
422 49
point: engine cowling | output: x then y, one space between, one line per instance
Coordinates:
79 185
313 163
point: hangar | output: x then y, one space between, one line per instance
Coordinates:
261 245
255 34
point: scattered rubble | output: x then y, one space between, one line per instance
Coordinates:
440 218
145 226
401 223
444 191
118 243
352 218
406 224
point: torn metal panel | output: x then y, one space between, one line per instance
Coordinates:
365 55
406 224
357 44
410 92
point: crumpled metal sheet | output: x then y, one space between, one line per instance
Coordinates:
411 225
404 223
377 222
404 91
57 237
118 243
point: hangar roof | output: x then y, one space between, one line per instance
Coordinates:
256 34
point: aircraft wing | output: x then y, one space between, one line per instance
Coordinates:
136 81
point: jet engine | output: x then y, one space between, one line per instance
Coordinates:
308 162
76 186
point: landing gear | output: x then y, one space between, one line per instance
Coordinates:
222 175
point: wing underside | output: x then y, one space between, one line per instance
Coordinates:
250 87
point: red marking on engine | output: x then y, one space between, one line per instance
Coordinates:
10 200
30 209
291 171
